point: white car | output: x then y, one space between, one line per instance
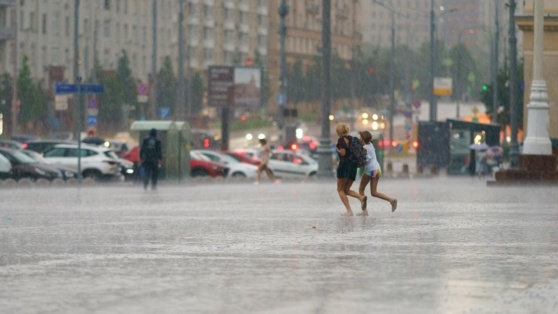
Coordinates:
286 163
96 161
235 167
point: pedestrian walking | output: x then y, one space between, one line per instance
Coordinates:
372 173
346 170
151 157
265 153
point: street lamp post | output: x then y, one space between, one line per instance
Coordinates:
324 149
514 146
283 12
495 63
180 98
432 109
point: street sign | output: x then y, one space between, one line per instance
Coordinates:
92 88
93 103
221 85
142 89
281 99
66 88
60 102
164 113
442 86
142 98
91 120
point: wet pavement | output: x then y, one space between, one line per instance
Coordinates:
453 245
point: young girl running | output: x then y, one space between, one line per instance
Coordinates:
372 173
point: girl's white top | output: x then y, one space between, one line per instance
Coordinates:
371 160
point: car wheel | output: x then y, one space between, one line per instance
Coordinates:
93 174
312 174
199 173
238 175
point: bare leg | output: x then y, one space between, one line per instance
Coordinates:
344 185
375 193
363 182
269 174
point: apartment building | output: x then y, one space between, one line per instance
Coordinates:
304 33
411 21
216 32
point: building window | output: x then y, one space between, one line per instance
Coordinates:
107 5
44 26
67 26
107 28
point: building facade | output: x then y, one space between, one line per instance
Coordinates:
304 33
550 58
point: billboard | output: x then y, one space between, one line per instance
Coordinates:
234 86
442 86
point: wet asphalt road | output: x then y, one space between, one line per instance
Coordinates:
454 245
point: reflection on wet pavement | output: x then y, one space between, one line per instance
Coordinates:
452 246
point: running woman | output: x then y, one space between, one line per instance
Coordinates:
372 173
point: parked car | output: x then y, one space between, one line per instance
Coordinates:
250 154
5 168
120 148
24 166
96 162
242 157
292 164
201 166
235 167
67 173
22 138
10 144
40 146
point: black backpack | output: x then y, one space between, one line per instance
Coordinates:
150 149
357 152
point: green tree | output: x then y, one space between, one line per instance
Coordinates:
503 81
30 95
198 90
462 67
265 89
167 86
127 81
110 109
6 100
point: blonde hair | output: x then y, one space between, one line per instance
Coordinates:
342 128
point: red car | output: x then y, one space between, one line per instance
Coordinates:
199 166
249 156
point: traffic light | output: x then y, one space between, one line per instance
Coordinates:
484 87
206 142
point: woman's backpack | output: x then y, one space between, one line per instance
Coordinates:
357 152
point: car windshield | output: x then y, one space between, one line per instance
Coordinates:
38 157
198 156
227 159
22 158
111 154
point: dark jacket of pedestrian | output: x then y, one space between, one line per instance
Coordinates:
151 156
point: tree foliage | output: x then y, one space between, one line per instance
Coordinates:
167 85
32 107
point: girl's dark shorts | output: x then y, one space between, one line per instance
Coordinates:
347 170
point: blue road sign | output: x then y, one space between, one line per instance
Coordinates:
164 112
66 88
92 88
281 99
91 120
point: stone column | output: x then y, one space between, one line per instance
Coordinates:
537 141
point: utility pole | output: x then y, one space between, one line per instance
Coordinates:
392 80
325 167
495 62
432 111
514 147
152 112
77 80
283 12
180 97
15 100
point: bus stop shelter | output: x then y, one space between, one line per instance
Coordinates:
175 142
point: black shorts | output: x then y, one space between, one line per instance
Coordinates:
347 170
